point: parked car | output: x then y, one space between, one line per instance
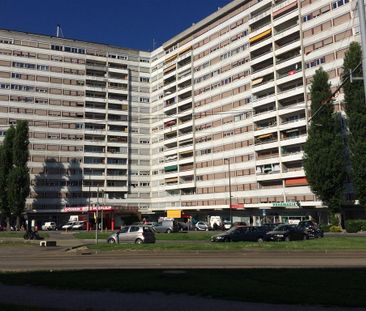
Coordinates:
270 226
137 234
166 226
311 229
286 233
201 226
241 233
49 225
68 225
79 225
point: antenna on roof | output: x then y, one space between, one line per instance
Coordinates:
59 31
153 43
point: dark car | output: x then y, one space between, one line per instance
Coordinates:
311 229
286 233
241 233
270 226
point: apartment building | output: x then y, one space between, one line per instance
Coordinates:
230 107
211 122
86 105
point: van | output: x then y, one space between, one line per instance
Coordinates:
166 226
49 225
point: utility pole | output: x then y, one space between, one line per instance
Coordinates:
361 16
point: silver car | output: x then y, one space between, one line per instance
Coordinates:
137 234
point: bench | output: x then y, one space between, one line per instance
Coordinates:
47 243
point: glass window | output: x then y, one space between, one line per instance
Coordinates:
134 229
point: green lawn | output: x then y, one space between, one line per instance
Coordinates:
324 244
330 287
187 236
19 234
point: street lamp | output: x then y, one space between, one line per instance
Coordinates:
96 218
230 213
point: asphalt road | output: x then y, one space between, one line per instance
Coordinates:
58 258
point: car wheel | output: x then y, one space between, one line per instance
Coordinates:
169 231
111 241
138 241
260 240
287 239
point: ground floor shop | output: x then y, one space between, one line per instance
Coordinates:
249 216
105 217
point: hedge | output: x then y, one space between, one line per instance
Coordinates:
355 225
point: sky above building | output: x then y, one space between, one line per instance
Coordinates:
137 24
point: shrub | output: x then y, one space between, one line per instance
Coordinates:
335 229
355 225
325 228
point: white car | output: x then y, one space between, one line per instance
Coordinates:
227 224
68 226
201 226
49 225
79 225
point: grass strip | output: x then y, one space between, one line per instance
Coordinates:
186 236
324 244
20 234
327 287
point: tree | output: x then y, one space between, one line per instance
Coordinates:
354 99
18 179
324 157
6 163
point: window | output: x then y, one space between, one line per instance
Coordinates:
56 47
315 62
338 3
42 67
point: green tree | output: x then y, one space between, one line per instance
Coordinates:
324 158
18 179
6 163
354 99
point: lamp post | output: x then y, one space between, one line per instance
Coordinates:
87 223
230 213
96 218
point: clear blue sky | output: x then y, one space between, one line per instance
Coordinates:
126 23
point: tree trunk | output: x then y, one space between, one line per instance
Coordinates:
18 223
7 223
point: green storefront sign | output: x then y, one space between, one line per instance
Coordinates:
286 204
